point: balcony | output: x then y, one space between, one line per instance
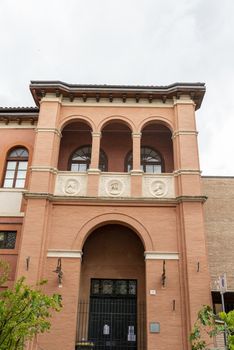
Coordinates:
114 185
11 201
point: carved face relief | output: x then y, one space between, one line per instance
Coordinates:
72 187
158 188
114 187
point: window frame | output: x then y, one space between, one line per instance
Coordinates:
102 153
16 159
5 234
130 153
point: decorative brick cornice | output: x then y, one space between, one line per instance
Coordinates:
194 91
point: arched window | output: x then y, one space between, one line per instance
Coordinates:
81 158
151 161
16 168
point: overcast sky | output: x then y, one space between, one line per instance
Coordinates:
143 42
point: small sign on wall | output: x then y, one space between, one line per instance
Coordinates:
152 292
154 327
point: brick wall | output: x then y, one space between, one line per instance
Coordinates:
219 226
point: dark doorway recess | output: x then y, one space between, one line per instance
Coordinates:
113 314
112 319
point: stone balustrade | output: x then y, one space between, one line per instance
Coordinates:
114 185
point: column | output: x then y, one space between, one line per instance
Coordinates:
96 139
41 185
94 171
163 301
136 151
71 268
136 173
191 233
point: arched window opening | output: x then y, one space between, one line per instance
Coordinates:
81 159
157 137
151 161
16 168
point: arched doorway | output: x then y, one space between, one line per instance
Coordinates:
112 294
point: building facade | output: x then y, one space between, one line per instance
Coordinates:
101 194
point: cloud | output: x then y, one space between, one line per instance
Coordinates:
126 42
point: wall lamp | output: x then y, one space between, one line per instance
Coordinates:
59 272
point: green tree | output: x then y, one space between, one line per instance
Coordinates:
24 312
206 326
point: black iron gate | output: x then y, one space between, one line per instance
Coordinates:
112 320
112 323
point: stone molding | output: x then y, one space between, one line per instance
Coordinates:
187 171
54 130
156 255
184 132
183 101
41 168
129 103
16 125
137 134
61 253
94 171
12 214
96 134
135 172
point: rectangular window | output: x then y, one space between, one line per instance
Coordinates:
7 239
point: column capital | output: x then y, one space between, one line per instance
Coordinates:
96 134
184 132
53 130
136 134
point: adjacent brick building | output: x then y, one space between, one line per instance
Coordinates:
101 194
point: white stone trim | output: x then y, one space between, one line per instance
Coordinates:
136 172
60 253
93 171
184 101
15 125
42 168
96 134
136 134
184 132
129 103
161 255
13 214
187 171
54 130
51 97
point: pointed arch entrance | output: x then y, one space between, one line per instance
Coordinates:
112 289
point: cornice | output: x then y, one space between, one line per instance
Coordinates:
19 114
195 91
103 201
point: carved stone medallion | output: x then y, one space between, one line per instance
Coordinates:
72 187
114 187
158 188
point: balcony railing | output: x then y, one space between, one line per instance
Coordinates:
114 185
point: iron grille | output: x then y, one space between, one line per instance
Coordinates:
112 323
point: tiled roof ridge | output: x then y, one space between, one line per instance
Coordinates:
117 86
19 109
